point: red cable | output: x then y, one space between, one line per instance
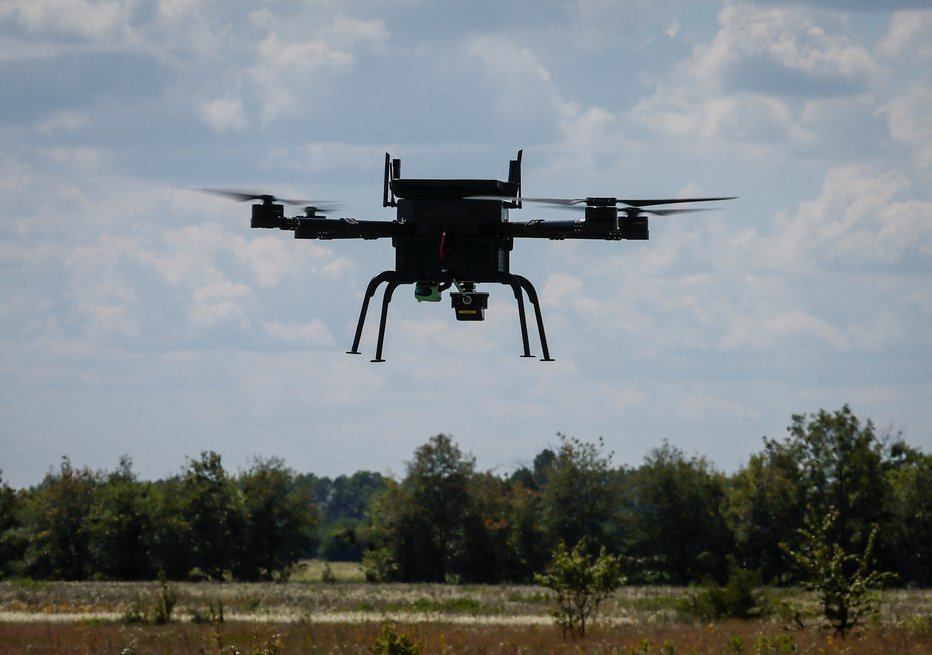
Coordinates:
444 250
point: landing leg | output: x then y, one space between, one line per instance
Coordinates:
370 291
511 281
386 298
532 296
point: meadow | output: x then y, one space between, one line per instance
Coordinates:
347 615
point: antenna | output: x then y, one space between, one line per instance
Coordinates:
514 177
388 197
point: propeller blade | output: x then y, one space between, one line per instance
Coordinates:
567 202
563 202
320 207
668 201
671 212
245 196
592 201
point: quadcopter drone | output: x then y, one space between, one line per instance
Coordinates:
455 233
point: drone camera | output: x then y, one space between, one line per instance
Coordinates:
470 306
268 215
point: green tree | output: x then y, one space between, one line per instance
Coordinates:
581 582
535 478
12 545
840 466
199 521
419 525
487 554
526 542
279 521
349 495
172 533
343 540
766 501
344 500
56 513
678 524
908 544
119 525
844 581
579 497
828 460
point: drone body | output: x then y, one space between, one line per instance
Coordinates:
457 233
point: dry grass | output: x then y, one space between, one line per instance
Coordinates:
345 617
307 638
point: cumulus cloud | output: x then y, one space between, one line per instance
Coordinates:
313 333
908 35
225 114
288 71
84 18
909 117
857 220
116 274
753 80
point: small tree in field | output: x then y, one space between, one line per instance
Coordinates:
844 581
581 583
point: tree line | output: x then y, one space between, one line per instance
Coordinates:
675 519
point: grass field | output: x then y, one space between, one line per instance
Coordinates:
346 616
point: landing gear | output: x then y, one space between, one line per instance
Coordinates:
468 304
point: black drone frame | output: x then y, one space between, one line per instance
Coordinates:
456 233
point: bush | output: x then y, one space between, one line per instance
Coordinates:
391 642
165 604
738 598
581 584
844 581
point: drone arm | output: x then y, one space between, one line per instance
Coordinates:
541 229
342 228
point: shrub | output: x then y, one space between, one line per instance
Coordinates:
844 581
738 598
165 604
392 642
212 616
581 584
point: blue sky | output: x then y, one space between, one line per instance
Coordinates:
138 317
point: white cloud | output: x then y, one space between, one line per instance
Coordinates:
178 9
313 333
909 117
767 332
908 36
225 114
85 18
857 220
522 86
131 303
218 299
752 81
99 291
289 71
63 121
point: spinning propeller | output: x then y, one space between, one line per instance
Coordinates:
631 207
311 207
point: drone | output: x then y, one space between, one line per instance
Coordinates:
456 234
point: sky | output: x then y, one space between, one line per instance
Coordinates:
139 317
